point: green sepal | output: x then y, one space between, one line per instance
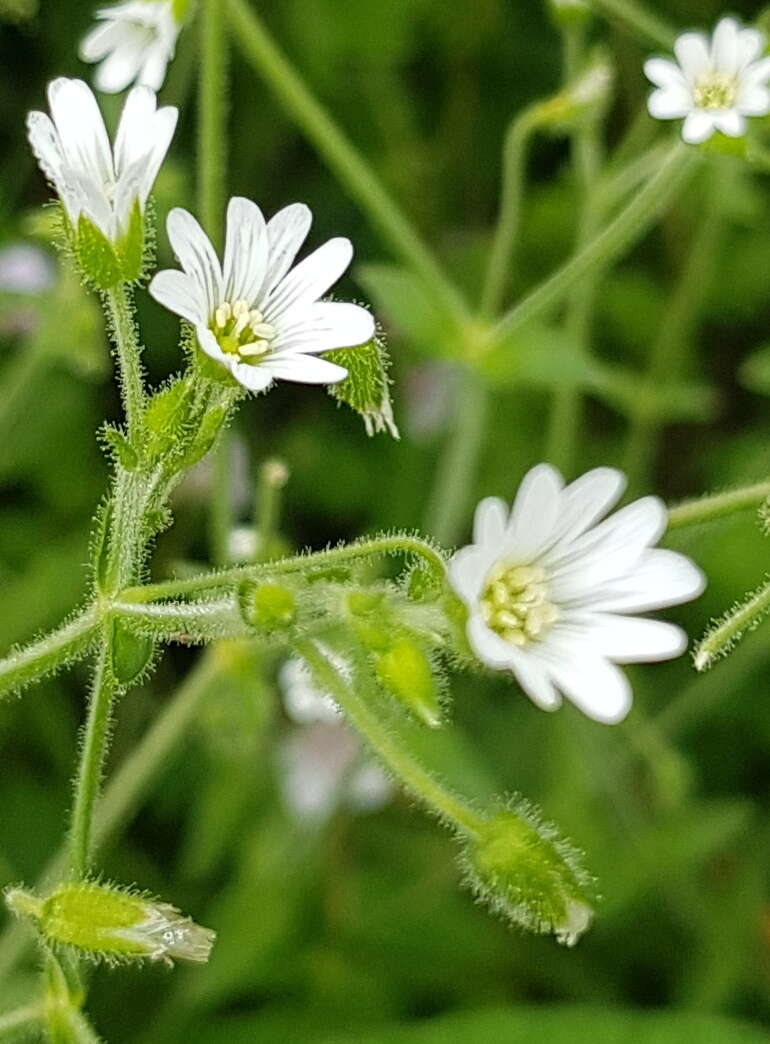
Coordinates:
405 671
366 389
525 871
131 247
121 449
131 653
96 256
205 437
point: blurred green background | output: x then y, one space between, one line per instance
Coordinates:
345 926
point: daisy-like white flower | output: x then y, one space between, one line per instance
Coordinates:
105 186
713 84
253 315
133 42
549 587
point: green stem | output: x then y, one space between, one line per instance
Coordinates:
718 505
721 639
220 516
343 158
676 332
273 476
388 545
626 229
384 743
501 258
120 310
129 786
638 18
48 654
212 122
564 422
446 514
91 766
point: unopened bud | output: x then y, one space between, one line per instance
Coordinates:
527 873
106 262
406 672
112 924
587 97
270 607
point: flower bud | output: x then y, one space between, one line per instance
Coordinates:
586 98
527 873
112 924
406 672
269 607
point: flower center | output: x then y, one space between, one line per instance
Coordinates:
515 603
716 91
242 331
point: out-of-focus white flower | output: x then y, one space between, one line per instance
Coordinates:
713 84
256 316
93 180
321 762
548 587
26 269
133 42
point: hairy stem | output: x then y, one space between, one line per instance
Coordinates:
341 155
618 236
91 768
718 505
226 578
20 1024
638 18
120 310
49 654
744 618
384 743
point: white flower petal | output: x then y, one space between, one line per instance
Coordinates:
490 648
751 44
196 255
255 378
534 513
286 232
586 500
664 73
81 129
304 369
754 101
596 687
725 46
698 127
661 578
693 54
175 291
757 73
323 327
628 639
490 521
46 147
310 279
468 571
670 104
245 251
100 41
730 123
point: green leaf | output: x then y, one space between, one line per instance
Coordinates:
122 450
410 310
754 373
131 653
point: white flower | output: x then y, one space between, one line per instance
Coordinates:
548 587
322 763
714 85
258 319
74 152
133 42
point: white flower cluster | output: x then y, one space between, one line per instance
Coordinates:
133 42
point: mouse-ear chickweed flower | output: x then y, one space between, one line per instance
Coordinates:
258 317
133 42
713 84
103 189
549 586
